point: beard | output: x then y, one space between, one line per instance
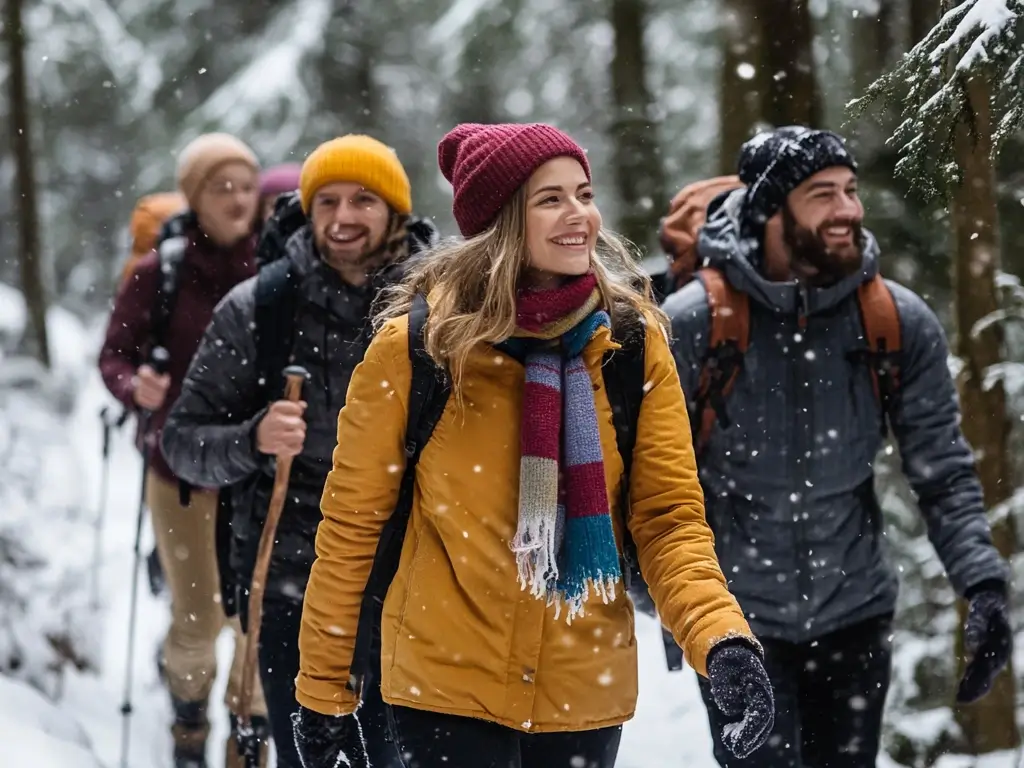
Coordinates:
817 263
362 253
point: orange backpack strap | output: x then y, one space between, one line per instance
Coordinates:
729 332
882 333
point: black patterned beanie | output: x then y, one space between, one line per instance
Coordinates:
774 163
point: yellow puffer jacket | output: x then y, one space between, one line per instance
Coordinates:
458 634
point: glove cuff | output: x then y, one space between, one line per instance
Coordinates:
735 641
989 585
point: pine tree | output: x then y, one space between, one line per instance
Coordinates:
973 39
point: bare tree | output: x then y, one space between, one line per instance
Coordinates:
743 80
768 77
792 95
29 255
637 161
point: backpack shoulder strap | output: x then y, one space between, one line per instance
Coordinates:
625 377
170 254
276 301
729 338
881 321
429 391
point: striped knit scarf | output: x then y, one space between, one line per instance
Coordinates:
565 543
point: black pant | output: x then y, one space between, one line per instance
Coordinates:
279 666
432 740
829 697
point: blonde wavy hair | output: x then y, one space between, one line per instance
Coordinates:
473 283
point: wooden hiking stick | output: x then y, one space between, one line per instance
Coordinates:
248 744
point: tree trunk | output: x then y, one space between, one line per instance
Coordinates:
875 43
768 77
988 725
743 80
923 15
636 156
792 96
25 190
346 71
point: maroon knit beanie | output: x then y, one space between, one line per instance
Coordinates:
486 164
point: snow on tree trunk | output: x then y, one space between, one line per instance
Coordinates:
637 162
28 220
988 725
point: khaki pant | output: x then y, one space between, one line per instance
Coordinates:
186 542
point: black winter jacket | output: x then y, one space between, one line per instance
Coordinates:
210 436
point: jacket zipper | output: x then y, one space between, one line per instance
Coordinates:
802 473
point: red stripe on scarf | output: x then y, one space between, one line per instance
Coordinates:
545 414
536 309
587 496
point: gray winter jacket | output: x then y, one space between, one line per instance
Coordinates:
789 484
209 438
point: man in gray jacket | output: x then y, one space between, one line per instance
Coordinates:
787 470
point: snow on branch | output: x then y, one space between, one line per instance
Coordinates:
974 38
133 64
271 85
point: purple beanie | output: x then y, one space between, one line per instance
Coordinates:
279 179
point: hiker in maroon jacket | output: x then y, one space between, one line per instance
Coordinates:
168 301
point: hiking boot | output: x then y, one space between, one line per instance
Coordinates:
234 757
190 731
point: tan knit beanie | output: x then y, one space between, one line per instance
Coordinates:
203 155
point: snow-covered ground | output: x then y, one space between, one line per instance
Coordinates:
670 728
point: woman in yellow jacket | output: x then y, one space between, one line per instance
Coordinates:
507 638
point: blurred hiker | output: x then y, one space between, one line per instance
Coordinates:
275 181
150 214
324 255
167 302
797 359
507 636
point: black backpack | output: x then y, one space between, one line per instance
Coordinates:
171 244
624 376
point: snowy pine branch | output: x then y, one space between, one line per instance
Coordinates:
974 38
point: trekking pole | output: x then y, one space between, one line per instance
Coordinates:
158 360
248 743
108 425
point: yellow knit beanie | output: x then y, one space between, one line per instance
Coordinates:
361 160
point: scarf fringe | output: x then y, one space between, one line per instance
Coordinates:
535 547
603 586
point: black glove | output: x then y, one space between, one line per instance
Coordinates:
988 640
741 689
329 741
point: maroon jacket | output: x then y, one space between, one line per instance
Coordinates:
207 272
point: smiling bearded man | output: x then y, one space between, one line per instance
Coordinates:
832 357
